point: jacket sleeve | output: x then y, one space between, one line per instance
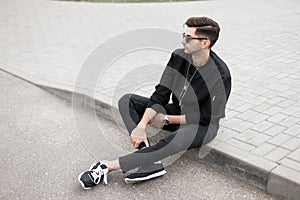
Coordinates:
163 90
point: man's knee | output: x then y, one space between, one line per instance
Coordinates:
124 100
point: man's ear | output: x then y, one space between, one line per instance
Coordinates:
206 44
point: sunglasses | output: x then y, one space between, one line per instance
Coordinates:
189 38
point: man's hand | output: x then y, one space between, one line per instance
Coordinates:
139 135
157 121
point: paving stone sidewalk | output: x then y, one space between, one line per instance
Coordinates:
53 43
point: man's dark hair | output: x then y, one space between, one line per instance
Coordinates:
206 27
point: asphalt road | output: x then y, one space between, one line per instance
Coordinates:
45 143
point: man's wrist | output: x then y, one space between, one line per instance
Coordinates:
177 119
142 125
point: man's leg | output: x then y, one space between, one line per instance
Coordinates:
132 108
186 137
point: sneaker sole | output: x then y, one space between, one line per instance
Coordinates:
136 180
81 183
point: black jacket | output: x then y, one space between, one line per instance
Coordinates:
207 95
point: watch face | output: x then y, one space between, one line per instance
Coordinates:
166 122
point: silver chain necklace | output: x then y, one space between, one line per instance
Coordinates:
186 85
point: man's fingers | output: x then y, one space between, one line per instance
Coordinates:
136 145
137 141
146 142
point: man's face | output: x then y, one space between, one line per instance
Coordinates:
194 45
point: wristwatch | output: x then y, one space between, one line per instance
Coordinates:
166 120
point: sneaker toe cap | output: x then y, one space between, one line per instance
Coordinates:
85 180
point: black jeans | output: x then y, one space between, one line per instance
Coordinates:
183 137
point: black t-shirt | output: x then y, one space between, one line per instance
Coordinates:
199 93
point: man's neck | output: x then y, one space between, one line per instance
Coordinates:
200 58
